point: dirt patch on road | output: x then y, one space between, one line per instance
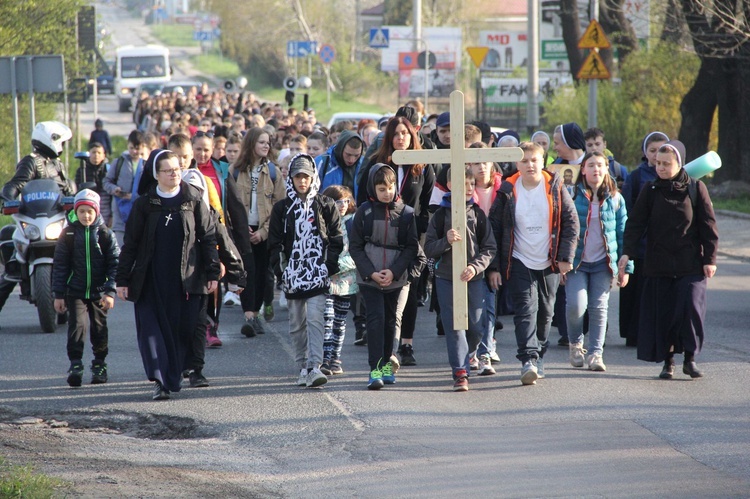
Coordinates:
57 446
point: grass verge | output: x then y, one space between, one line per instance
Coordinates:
22 481
175 35
741 204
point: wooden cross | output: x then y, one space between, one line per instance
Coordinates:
458 156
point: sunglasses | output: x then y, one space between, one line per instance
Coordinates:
201 133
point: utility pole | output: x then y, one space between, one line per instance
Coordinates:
532 103
593 83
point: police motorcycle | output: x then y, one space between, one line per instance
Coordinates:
27 248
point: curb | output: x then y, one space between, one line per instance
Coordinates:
733 214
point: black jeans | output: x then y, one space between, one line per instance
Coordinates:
533 293
381 324
83 313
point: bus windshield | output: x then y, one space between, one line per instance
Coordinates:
143 66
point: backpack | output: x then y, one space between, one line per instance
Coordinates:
439 217
70 234
404 222
271 171
118 167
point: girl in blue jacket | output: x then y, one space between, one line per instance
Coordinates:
602 214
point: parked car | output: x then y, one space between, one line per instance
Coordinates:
105 82
353 117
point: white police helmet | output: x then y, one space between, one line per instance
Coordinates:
51 135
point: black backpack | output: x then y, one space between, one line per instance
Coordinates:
439 217
404 221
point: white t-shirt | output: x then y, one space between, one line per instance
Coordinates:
593 250
252 216
532 230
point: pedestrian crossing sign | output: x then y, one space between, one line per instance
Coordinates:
594 37
379 38
593 68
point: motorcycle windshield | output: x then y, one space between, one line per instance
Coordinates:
41 198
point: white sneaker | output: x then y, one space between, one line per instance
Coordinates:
316 378
576 354
485 365
302 380
529 373
231 299
596 363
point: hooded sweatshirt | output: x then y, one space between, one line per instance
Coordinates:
380 250
332 168
306 238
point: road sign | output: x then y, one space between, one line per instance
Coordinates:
594 37
203 36
593 68
379 38
477 54
327 53
553 50
301 48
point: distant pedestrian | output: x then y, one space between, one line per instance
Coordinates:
83 282
100 135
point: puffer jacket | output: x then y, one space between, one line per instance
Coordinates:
612 216
344 283
381 250
269 192
86 261
200 259
564 227
480 248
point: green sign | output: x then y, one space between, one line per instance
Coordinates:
553 50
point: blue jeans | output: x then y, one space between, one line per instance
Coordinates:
533 293
487 346
587 288
461 344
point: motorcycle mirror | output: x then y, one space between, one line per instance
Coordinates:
82 155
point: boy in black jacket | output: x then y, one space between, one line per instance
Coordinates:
83 280
305 237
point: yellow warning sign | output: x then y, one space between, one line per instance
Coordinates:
593 68
594 37
477 54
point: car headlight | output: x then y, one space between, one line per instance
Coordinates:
53 230
125 91
31 232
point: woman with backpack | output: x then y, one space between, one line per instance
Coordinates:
676 215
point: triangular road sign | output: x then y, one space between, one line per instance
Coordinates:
593 68
477 54
594 37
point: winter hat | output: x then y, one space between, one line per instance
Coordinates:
572 136
302 163
383 121
485 129
679 150
87 197
444 119
653 137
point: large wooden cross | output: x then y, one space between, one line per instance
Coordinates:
458 156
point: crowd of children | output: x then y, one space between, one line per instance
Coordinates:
255 211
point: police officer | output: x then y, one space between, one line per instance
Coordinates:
47 141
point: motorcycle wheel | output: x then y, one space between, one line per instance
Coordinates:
45 301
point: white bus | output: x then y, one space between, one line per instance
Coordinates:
136 65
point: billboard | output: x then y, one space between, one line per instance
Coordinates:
438 40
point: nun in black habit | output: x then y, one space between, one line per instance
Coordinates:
169 262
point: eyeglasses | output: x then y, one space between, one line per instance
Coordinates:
171 171
201 133
342 202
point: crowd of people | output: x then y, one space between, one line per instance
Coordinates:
219 201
